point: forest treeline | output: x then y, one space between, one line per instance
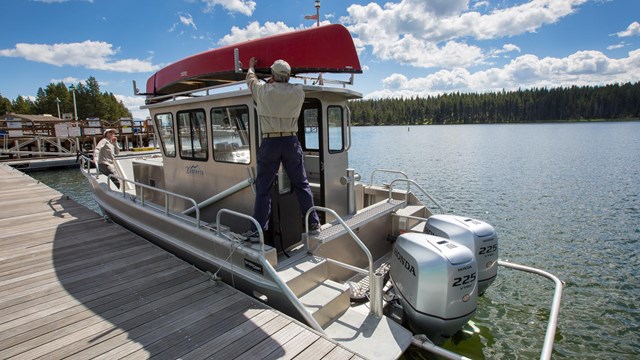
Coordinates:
90 102
575 103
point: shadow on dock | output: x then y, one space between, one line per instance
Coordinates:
73 285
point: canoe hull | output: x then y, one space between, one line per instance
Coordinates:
322 49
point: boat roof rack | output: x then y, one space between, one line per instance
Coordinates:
320 80
153 99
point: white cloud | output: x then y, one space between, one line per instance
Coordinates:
424 33
526 71
67 81
480 4
245 7
617 46
187 20
254 31
632 30
184 19
506 48
96 55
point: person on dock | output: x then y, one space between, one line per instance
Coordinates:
105 154
278 105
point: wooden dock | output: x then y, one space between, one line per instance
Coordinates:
74 286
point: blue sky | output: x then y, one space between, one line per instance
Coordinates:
406 47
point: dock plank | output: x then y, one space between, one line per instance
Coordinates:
75 286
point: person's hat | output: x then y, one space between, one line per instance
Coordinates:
108 130
281 67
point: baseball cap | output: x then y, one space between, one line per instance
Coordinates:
281 67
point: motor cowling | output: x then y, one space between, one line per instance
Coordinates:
476 235
436 283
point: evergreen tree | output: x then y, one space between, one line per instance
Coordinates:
22 105
5 105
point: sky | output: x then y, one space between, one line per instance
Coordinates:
406 47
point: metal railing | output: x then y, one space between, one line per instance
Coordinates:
547 346
424 343
244 216
374 279
409 181
286 290
386 171
221 195
85 165
269 269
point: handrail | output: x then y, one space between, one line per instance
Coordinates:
387 171
221 195
291 296
555 305
424 343
86 165
442 211
348 138
244 216
376 292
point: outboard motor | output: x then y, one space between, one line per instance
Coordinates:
435 281
477 235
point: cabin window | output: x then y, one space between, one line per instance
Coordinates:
310 117
335 120
230 134
164 124
192 131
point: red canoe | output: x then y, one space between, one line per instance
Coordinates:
325 49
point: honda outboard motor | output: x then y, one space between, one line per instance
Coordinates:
435 281
477 235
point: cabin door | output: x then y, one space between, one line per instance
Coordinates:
322 132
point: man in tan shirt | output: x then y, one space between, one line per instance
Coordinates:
278 105
105 153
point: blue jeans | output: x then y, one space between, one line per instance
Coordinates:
271 153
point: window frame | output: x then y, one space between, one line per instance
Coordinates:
161 129
204 143
246 129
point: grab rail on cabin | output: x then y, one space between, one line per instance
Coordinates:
375 279
85 165
348 138
409 181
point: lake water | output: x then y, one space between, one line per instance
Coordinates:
563 197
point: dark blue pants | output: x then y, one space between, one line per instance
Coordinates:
271 153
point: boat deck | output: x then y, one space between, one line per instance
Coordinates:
75 286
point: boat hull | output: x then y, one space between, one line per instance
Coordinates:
232 262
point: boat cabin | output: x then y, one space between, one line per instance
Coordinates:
209 147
